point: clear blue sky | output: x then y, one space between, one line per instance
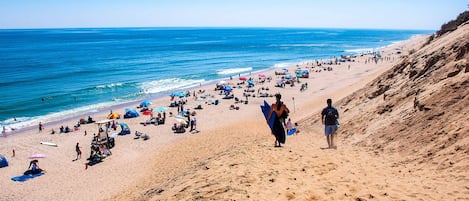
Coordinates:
388 14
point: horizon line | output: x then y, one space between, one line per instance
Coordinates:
215 27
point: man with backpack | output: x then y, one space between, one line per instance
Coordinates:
329 116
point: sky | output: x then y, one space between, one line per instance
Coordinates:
375 14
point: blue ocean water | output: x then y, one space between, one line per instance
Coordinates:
48 74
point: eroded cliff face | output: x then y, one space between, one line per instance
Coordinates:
419 108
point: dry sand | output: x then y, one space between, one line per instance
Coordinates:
232 157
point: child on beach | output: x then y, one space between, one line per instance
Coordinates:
289 125
77 149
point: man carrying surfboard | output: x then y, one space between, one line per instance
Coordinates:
281 112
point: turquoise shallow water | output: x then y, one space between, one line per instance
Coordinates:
48 74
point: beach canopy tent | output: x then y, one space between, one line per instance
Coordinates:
179 94
114 116
145 103
131 113
125 128
3 161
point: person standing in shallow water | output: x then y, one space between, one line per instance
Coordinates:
281 112
329 116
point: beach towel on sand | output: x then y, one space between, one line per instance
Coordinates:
26 177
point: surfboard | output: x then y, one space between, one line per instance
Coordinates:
265 110
49 144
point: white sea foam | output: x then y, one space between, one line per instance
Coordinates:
299 45
283 65
361 50
171 84
109 85
23 122
233 71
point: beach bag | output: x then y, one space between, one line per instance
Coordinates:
337 124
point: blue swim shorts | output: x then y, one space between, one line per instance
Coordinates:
329 129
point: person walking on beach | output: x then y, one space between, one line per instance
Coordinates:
281 112
77 149
41 127
329 116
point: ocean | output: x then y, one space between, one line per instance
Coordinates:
51 74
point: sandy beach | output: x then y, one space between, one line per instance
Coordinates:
232 157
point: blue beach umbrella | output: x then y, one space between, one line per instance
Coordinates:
145 103
227 88
179 94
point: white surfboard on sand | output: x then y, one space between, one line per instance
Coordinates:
49 144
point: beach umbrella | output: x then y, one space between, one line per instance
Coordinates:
37 156
145 103
114 116
147 112
179 94
227 88
160 109
243 78
261 75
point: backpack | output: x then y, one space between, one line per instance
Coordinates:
330 115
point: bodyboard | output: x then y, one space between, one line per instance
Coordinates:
49 144
265 110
